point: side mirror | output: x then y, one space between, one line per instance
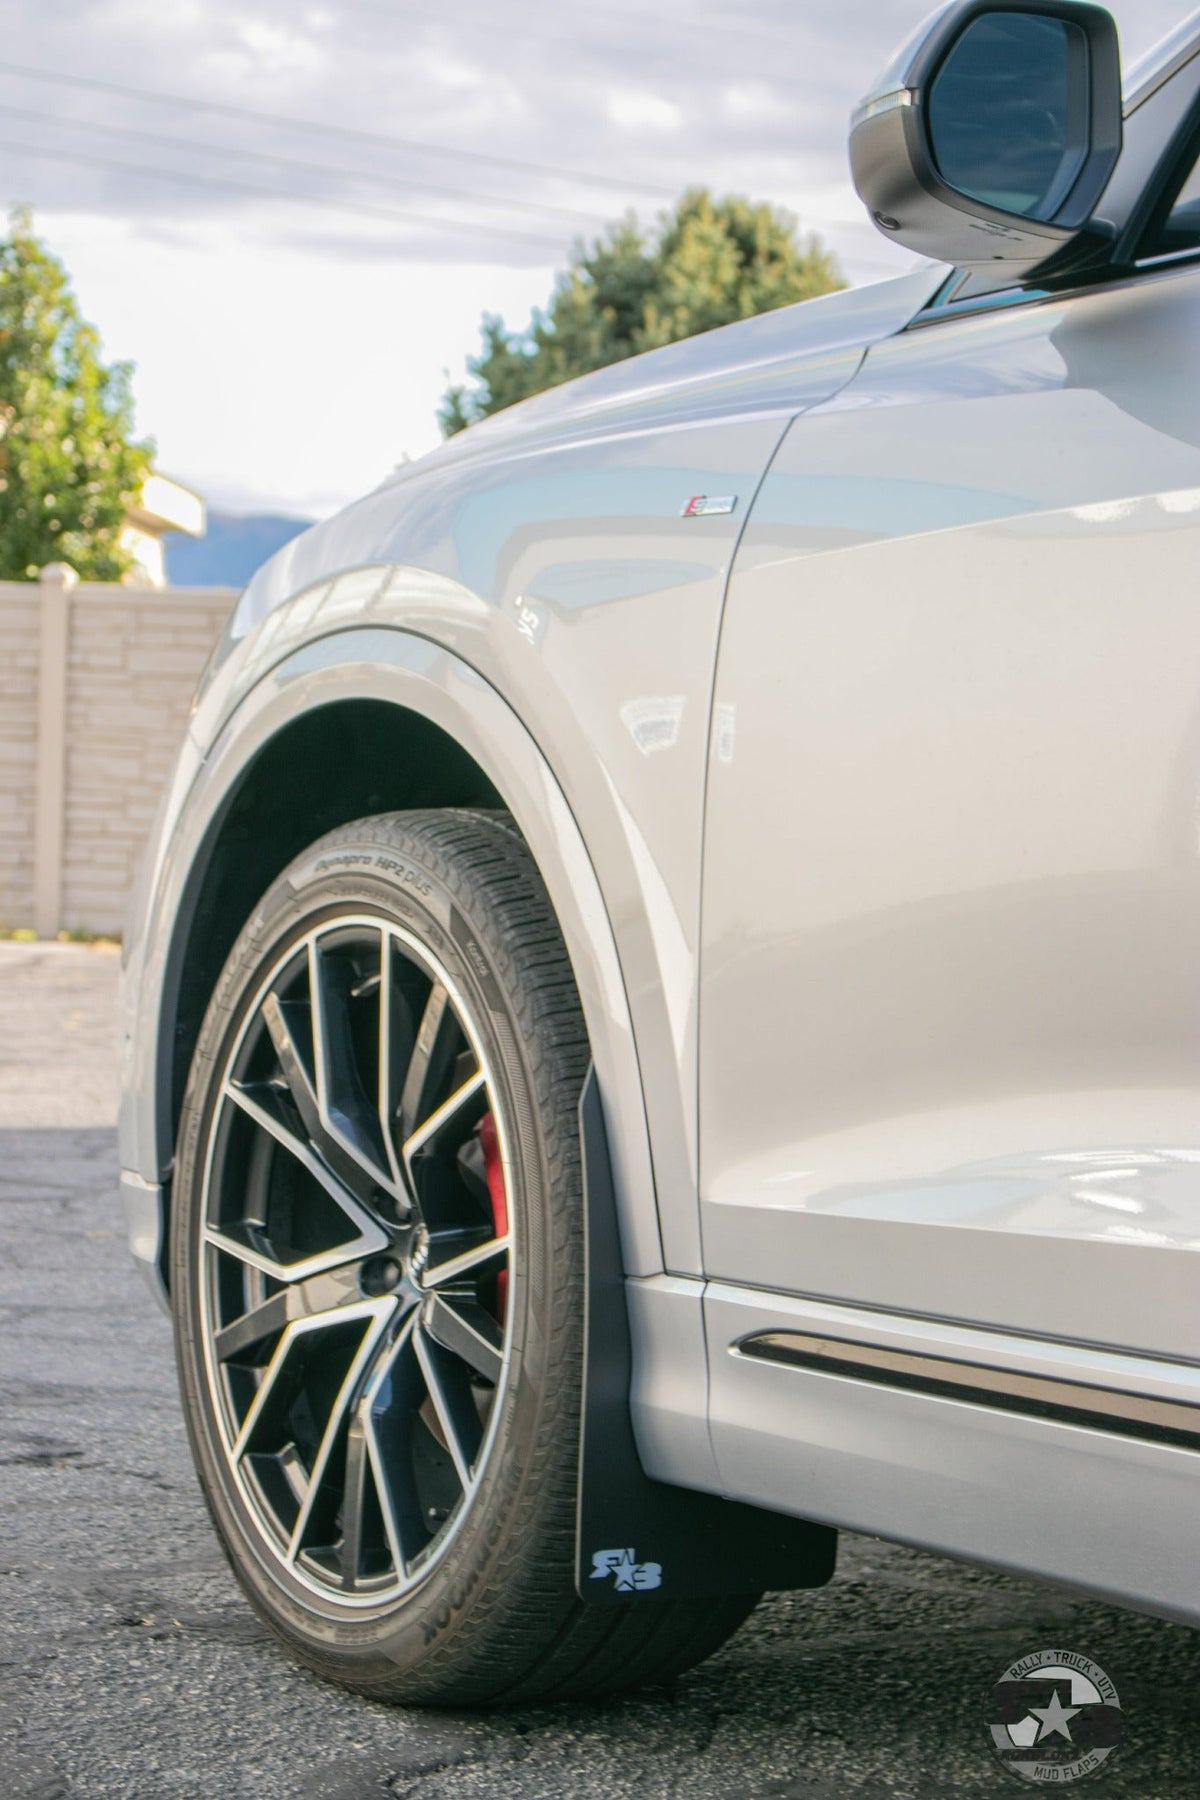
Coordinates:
993 133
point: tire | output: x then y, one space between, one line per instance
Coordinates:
377 1271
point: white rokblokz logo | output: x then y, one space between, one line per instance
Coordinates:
631 1576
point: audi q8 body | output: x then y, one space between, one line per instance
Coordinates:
792 739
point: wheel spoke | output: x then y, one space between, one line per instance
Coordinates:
266 1388
465 1329
453 1403
354 1493
346 1117
467 1262
430 1061
395 1053
374 1312
254 1327
370 1233
399 1524
277 1016
437 1121
325 1294
333 1424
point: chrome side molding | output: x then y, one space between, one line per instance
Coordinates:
1008 1390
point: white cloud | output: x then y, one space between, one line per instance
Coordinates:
277 50
756 101
631 110
436 63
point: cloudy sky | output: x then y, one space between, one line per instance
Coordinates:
291 215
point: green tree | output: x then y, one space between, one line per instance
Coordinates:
70 467
710 261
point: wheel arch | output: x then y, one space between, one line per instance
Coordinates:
371 720
343 760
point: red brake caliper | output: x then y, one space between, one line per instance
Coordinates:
495 1181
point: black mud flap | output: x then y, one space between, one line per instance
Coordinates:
637 1539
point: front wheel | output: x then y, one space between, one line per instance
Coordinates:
377 1271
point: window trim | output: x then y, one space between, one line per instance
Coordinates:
1158 76
1013 299
1178 162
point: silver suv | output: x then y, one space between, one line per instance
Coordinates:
663 1014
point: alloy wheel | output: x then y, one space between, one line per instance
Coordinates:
356 1256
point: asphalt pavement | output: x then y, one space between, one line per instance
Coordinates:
131 1666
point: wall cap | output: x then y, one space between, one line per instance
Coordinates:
59 575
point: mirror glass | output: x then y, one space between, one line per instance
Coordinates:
1007 112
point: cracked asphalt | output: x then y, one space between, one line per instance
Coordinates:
131 1666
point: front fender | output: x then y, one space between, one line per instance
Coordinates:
409 672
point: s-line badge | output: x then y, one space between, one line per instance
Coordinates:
707 506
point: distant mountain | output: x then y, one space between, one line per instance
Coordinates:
230 550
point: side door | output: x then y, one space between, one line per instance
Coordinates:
950 979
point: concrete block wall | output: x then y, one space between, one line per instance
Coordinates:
93 705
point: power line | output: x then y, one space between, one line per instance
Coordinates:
106 128
242 187
661 21
496 25
221 109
